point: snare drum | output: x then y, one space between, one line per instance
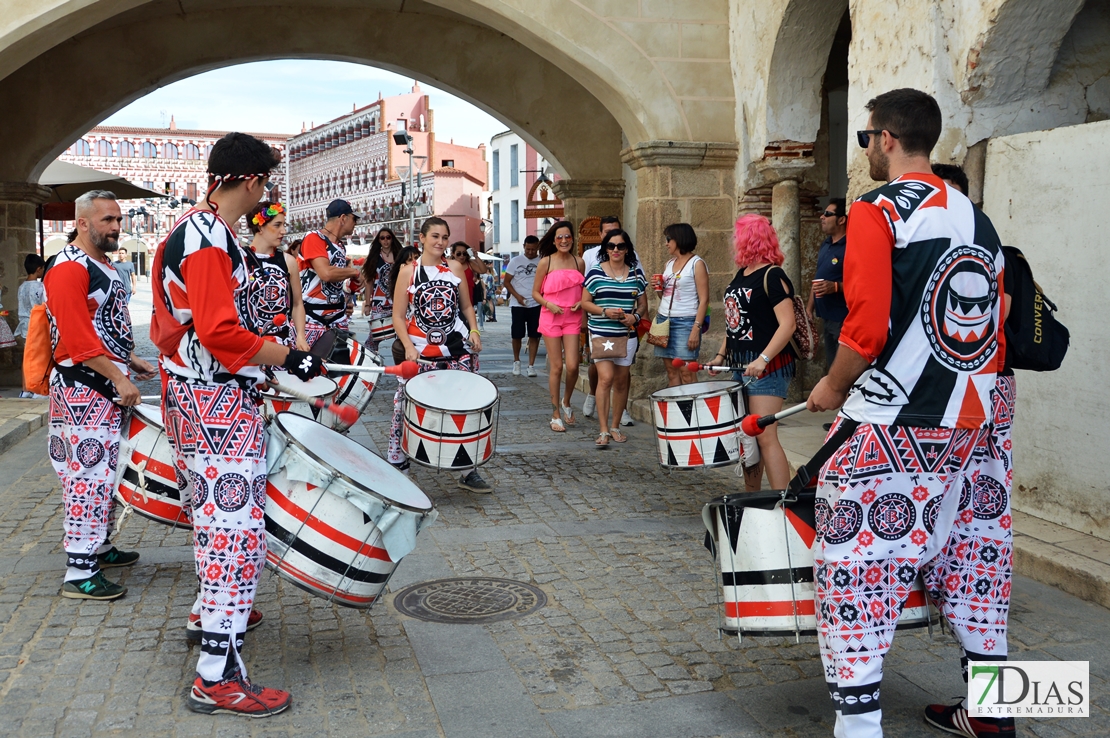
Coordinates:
450 419
765 549
355 389
338 518
698 425
381 329
149 482
274 402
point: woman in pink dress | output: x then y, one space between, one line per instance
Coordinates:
558 290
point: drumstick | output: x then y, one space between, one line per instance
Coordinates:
693 366
405 370
277 322
753 425
346 413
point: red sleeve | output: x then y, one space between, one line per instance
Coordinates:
867 280
207 275
312 247
67 299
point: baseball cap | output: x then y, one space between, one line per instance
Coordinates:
340 207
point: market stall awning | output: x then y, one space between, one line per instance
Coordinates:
70 181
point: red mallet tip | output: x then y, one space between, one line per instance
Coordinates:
693 366
347 413
279 320
406 370
750 425
677 362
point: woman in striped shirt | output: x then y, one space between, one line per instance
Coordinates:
615 298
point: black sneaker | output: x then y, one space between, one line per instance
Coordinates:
95 587
955 720
474 482
403 467
115 557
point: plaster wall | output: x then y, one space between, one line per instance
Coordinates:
1063 417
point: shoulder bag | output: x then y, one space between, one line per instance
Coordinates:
660 332
804 340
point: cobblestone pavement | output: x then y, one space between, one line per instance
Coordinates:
626 645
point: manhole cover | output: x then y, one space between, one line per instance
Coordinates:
469 600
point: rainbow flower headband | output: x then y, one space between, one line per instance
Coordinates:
263 217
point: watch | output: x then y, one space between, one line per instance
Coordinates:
765 358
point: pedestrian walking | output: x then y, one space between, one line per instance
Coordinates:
591 257
520 275
683 290
558 290
92 342
919 353
759 321
615 297
126 270
276 290
31 291
377 299
435 322
324 274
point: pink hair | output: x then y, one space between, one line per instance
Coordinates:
756 242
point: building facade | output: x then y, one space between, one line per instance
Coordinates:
355 157
515 168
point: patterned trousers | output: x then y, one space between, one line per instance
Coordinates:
84 450
467 363
219 442
894 501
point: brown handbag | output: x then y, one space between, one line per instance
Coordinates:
608 347
660 332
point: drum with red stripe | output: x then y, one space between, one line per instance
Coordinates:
149 482
450 419
381 329
274 402
764 542
698 425
338 518
354 389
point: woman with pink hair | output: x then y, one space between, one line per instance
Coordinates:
759 321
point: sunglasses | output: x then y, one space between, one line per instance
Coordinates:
617 247
830 214
863 138
564 238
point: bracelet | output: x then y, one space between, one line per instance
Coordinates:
475 330
765 358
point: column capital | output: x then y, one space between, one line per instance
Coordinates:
685 154
775 170
593 189
25 192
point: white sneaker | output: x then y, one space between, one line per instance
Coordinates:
516 368
626 419
531 371
588 406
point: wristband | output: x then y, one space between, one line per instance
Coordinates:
765 358
475 330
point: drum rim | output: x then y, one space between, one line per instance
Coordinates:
762 495
358 485
272 394
732 387
426 406
700 466
144 411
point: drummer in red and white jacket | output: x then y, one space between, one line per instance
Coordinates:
91 339
211 355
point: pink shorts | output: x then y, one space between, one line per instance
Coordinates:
569 323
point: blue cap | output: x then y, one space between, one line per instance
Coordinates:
340 207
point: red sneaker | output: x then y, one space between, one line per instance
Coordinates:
954 719
192 628
237 696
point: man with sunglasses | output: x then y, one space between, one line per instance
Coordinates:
827 295
920 351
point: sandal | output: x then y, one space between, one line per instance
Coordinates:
617 436
602 440
557 425
568 414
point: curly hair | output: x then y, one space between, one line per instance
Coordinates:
755 242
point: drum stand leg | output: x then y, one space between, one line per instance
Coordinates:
790 568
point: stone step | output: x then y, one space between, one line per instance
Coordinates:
1075 562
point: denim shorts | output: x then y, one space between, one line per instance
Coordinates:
676 344
773 386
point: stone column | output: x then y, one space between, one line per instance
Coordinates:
586 198
18 237
682 182
787 222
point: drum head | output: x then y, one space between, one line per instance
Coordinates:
451 390
151 414
686 391
356 463
315 387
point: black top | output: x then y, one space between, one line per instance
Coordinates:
750 321
1008 288
830 267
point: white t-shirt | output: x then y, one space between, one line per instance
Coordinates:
592 257
523 271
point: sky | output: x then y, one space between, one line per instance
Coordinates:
293 92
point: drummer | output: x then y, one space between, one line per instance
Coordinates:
431 314
378 303
324 272
277 288
211 353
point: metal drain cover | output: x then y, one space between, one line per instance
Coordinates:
469 600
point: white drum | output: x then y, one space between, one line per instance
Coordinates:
381 329
450 419
148 480
355 389
338 518
274 402
698 425
765 547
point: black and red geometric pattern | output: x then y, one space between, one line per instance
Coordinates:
435 322
394 455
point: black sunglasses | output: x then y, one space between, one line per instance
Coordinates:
830 214
617 247
863 138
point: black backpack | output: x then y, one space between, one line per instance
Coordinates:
1035 340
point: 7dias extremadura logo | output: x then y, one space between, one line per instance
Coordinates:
1028 688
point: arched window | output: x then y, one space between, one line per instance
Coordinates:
191 151
149 150
126 148
169 151
207 151
104 148
80 148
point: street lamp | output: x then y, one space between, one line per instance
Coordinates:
404 138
